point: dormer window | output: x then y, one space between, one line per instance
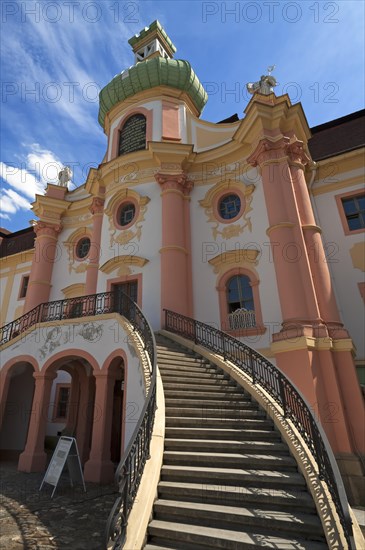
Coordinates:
132 136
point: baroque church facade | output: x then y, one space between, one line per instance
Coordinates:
253 226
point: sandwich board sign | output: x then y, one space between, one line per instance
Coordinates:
66 452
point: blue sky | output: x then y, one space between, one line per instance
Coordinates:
57 55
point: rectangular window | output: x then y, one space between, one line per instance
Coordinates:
354 208
62 402
24 287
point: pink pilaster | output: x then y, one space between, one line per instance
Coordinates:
45 255
295 286
99 468
338 373
330 406
352 398
189 277
312 236
97 208
176 293
34 458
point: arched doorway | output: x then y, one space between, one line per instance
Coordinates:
16 409
78 408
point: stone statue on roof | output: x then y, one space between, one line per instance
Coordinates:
64 176
265 85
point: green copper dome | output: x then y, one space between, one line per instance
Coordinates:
156 71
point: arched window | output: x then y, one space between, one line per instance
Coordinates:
240 302
132 136
239 294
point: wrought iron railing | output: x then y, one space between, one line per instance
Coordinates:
71 308
130 468
241 318
283 392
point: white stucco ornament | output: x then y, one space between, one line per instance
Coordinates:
64 176
265 85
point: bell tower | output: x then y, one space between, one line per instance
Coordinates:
152 42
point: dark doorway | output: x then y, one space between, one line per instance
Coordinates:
130 289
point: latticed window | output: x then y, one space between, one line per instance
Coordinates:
354 208
83 247
126 214
229 206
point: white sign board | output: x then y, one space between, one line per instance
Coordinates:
66 452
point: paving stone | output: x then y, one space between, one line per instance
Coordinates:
31 520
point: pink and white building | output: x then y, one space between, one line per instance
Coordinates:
254 225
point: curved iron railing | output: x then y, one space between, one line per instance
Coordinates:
130 468
284 393
71 308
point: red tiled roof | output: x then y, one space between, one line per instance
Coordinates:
338 136
12 243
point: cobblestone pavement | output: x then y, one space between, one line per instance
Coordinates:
31 520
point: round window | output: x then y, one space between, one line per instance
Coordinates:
229 207
126 214
83 247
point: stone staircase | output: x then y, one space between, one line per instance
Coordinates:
227 480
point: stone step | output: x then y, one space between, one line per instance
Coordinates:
177 356
203 412
201 382
190 372
180 356
194 387
223 433
198 371
225 466
238 518
224 446
217 422
244 403
184 536
172 374
171 346
211 394
186 366
263 497
230 460
239 477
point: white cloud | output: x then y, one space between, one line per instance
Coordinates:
44 163
21 179
31 176
11 202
